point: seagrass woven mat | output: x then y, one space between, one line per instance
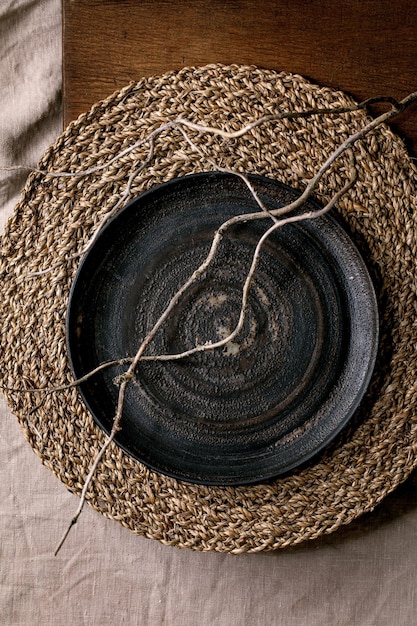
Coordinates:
56 217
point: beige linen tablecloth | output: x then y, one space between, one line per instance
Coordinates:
363 575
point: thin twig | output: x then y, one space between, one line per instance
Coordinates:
106 217
182 123
226 170
278 224
124 379
74 383
274 214
396 106
312 184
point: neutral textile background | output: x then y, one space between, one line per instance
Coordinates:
363 575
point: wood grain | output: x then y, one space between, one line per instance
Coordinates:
364 47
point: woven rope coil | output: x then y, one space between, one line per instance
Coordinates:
56 217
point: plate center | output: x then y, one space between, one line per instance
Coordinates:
285 349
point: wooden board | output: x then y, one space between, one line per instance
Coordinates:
364 47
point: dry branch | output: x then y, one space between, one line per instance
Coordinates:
275 215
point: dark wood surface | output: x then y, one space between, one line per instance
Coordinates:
364 47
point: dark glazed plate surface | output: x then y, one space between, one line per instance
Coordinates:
286 385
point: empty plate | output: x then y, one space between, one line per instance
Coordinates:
274 396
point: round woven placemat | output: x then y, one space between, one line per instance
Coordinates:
57 216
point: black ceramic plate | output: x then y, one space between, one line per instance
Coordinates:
285 386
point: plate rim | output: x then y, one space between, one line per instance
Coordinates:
328 217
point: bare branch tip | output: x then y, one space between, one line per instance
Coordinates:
66 533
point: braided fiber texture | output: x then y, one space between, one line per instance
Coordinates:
57 216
